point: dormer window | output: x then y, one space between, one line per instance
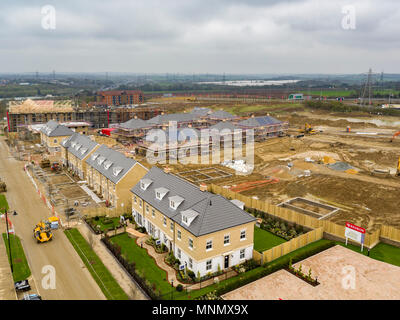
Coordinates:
160 193
117 171
94 156
77 147
83 150
100 160
144 183
188 216
107 164
175 201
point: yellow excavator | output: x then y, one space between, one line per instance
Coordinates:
308 129
43 230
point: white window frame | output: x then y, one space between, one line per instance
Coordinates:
209 265
245 235
179 235
178 253
153 213
190 263
190 241
171 226
242 251
209 242
164 221
229 239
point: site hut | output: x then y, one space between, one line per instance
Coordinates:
296 96
111 175
206 232
132 131
74 152
52 134
264 127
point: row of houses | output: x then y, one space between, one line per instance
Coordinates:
206 232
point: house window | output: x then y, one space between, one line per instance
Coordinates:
209 265
153 213
179 253
147 208
242 253
184 219
209 245
158 195
190 243
165 222
190 263
172 204
172 226
242 234
179 235
227 239
140 203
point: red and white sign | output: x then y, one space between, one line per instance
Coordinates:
354 227
354 232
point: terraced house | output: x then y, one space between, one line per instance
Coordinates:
110 174
206 232
52 134
74 152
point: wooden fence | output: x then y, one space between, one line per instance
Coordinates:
103 211
371 239
287 247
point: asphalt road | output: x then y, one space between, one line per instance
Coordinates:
73 280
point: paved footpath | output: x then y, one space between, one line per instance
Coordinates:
73 280
7 291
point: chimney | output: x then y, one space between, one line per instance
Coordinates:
135 117
203 187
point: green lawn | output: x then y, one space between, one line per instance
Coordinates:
264 240
100 273
145 264
382 252
20 264
103 226
3 203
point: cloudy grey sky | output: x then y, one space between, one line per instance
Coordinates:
200 36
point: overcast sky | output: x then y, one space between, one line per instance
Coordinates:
200 36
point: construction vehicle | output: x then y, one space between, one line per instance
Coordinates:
43 230
308 129
395 135
55 167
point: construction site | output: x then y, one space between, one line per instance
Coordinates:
339 169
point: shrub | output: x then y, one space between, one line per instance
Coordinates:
179 288
191 275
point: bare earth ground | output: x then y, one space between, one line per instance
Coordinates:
374 280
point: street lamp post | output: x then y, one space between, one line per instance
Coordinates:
9 245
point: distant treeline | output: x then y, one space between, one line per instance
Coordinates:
335 106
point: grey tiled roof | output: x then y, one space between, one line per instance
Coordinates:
221 114
79 145
259 121
224 125
135 124
215 213
119 163
178 117
201 111
54 129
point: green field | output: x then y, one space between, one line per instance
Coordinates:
3 203
264 240
239 109
382 252
100 273
21 269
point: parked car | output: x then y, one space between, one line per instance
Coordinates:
32 296
22 285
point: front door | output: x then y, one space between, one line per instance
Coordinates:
226 265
